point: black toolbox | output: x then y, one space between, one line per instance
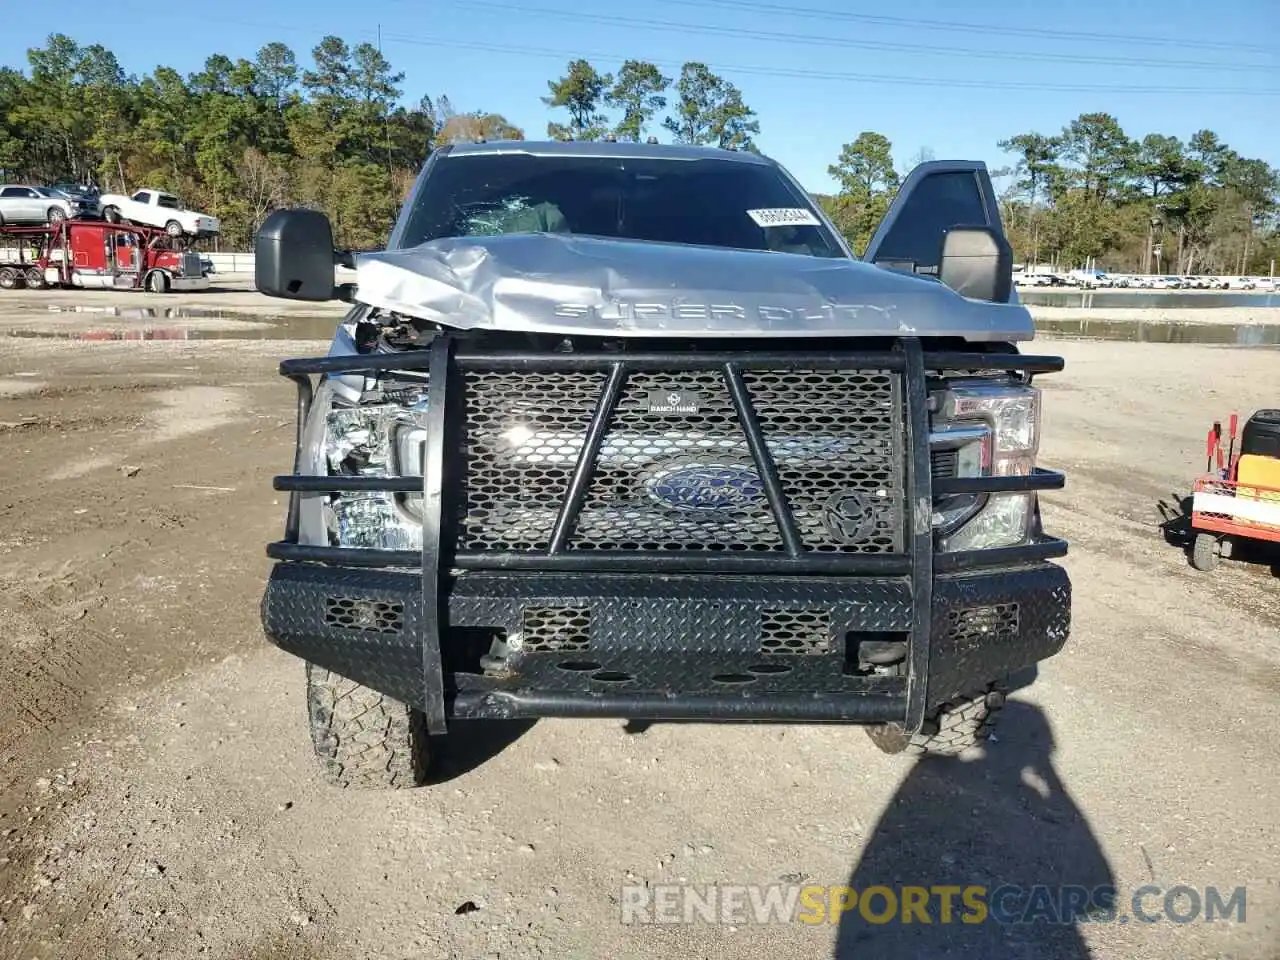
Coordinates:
1261 435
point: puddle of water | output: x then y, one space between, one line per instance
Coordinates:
150 313
1155 298
281 328
1142 331
321 328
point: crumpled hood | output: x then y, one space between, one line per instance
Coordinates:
550 283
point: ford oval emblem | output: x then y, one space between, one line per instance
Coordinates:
719 487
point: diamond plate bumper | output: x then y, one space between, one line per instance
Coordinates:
667 647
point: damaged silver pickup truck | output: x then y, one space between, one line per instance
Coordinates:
627 430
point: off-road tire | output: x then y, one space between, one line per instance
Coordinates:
363 738
1204 552
953 728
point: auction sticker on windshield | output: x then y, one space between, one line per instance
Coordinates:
783 217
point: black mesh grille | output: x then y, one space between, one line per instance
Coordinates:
978 624
834 436
524 432
795 631
674 472
647 455
376 616
557 628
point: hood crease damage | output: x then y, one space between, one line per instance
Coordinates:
587 286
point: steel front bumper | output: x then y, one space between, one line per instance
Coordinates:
669 647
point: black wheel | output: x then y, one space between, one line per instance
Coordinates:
158 282
953 728
10 278
364 738
173 228
56 214
1204 551
111 214
35 278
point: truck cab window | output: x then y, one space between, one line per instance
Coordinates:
704 202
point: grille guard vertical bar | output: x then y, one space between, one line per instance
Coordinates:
585 469
305 396
919 530
439 432
765 465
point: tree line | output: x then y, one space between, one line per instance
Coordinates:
240 138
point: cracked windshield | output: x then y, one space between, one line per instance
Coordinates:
698 478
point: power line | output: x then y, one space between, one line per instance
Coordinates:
666 26
970 27
782 72
839 77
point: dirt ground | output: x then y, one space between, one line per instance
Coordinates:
158 797
1253 315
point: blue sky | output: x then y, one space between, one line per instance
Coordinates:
925 74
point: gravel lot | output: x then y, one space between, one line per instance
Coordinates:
158 797
1195 315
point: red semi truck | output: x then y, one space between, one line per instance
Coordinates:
96 255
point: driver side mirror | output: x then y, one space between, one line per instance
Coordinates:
977 262
294 259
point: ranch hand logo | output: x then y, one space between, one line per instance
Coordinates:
672 401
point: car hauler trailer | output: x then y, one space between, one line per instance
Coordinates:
96 255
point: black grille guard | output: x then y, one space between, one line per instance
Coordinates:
443 359
446 358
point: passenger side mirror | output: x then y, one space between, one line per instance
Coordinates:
977 262
294 259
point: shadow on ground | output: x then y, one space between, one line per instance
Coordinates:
473 743
1003 819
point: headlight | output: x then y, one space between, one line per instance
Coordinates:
1013 413
1010 412
958 450
1003 521
381 436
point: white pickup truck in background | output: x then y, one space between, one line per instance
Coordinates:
155 208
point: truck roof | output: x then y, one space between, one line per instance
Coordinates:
604 148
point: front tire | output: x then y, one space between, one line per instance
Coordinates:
157 282
954 728
1204 552
56 214
363 738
